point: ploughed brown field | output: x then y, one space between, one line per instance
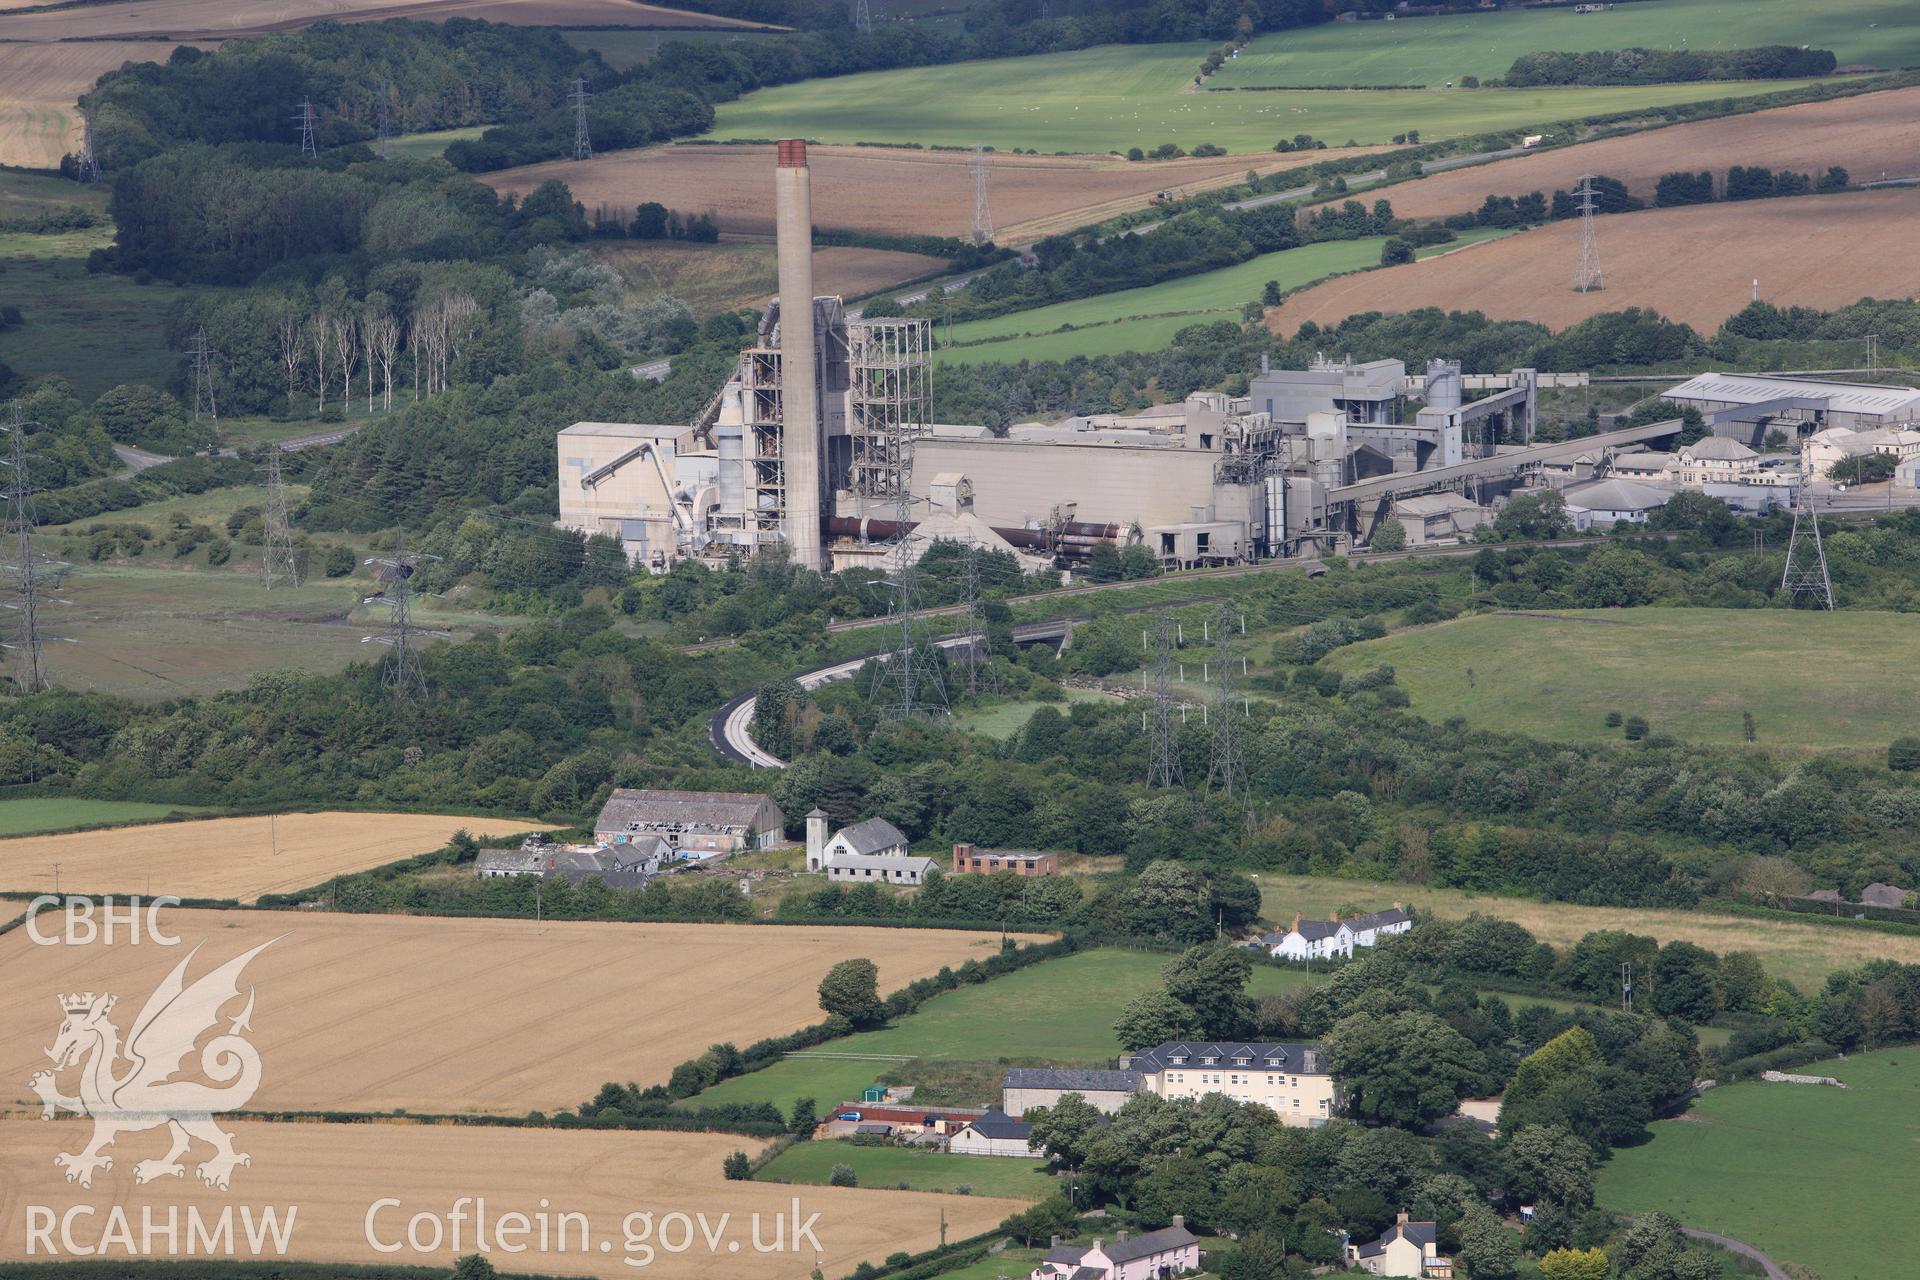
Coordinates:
1694 264
163 20
1871 136
239 858
724 277
339 1183
897 191
375 1012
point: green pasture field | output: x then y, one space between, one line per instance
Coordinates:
626 48
1802 950
157 627
212 507
1432 51
23 193
1009 718
97 331
1061 1011
812 1163
1820 1177
1196 299
39 815
1811 680
1114 97
421 146
1148 318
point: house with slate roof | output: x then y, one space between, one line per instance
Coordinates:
1292 1079
993 1134
1170 1251
874 838
1368 929
1407 1249
1028 1089
1310 940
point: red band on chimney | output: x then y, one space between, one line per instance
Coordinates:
792 153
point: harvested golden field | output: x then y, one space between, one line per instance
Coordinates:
1803 953
1693 264
223 19
337 1175
897 191
239 858
39 85
375 1012
722 277
1872 136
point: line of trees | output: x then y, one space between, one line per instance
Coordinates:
1664 66
1744 182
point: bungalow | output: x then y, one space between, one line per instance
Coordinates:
1407 1249
1028 1089
1310 940
621 866
993 1134
1368 929
1170 1251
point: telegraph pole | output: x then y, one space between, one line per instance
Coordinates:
582 145
277 563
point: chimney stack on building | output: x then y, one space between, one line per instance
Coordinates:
801 449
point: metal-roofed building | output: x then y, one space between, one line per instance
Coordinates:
1747 405
696 823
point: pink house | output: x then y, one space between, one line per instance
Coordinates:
1157 1255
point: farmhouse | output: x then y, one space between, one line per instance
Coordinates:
1292 1079
1368 929
1028 1089
967 859
1407 1249
1171 1251
993 1134
1310 940
693 823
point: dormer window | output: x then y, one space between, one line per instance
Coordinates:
1178 1060
1209 1061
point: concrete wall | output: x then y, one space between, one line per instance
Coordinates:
1018 1102
619 503
1015 482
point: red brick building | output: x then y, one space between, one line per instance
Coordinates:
968 860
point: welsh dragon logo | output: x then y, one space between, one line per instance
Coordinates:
144 1095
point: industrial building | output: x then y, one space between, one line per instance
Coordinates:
1746 406
843 465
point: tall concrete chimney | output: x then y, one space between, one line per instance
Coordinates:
800 384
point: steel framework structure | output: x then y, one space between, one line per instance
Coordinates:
89 162
1226 707
582 145
1587 276
1163 735
891 402
31 676
982 215
1806 568
277 561
306 119
760 385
